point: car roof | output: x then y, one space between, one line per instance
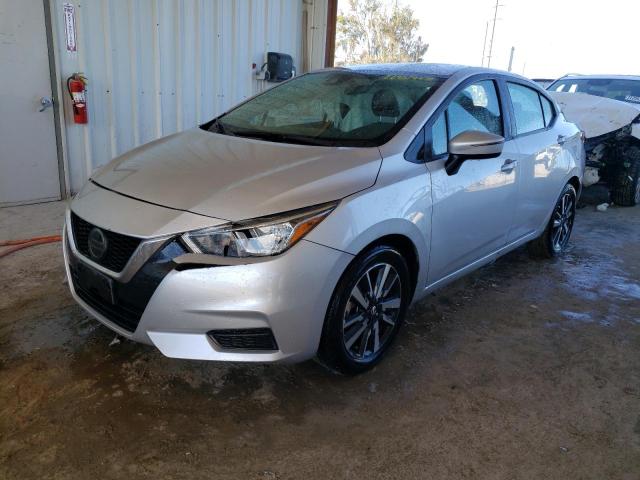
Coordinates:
422 69
443 70
601 77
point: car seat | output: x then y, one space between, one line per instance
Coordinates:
384 105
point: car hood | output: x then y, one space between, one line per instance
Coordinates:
597 116
234 178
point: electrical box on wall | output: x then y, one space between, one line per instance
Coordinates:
279 67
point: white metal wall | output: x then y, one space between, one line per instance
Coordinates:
159 66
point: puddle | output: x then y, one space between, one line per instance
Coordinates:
577 317
625 287
598 277
571 319
61 328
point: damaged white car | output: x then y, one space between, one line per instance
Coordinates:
607 109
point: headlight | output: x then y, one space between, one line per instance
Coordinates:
258 237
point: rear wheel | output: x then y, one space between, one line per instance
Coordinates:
626 184
366 311
555 237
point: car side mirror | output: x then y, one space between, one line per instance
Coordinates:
472 145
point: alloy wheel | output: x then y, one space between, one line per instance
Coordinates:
563 216
371 312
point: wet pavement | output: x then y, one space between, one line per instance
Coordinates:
524 369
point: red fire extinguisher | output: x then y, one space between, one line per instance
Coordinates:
76 84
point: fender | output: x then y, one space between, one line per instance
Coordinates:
401 205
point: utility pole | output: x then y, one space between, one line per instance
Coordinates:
493 31
484 44
513 49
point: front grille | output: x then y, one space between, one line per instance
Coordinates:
129 300
245 339
119 250
122 314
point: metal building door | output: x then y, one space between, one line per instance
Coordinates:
29 170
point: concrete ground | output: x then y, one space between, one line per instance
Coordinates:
524 369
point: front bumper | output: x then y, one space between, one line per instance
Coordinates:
287 294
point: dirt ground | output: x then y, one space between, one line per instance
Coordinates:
522 370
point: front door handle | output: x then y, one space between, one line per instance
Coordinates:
508 166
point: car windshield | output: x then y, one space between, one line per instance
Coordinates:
336 107
617 89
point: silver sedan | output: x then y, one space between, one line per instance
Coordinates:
305 221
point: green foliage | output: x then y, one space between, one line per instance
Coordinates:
378 31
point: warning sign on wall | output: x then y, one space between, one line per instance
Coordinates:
70 26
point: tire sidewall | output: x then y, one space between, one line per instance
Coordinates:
568 188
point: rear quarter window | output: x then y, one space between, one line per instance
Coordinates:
547 110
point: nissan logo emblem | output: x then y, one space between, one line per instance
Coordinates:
97 243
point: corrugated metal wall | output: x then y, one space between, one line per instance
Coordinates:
160 66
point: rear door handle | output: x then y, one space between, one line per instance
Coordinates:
508 166
561 139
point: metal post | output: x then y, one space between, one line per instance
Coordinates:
513 49
330 42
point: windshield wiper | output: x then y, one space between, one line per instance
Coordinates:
221 128
282 137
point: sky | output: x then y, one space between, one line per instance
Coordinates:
551 37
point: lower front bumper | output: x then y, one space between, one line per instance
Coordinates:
287 294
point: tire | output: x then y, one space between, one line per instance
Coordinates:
358 331
555 237
626 184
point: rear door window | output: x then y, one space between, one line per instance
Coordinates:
527 108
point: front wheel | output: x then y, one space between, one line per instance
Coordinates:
555 237
366 311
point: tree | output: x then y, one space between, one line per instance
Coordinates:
378 31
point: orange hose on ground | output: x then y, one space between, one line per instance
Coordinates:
53 238
15 245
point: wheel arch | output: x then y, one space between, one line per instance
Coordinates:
572 180
406 248
577 184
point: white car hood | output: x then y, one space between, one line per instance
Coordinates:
597 115
234 178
